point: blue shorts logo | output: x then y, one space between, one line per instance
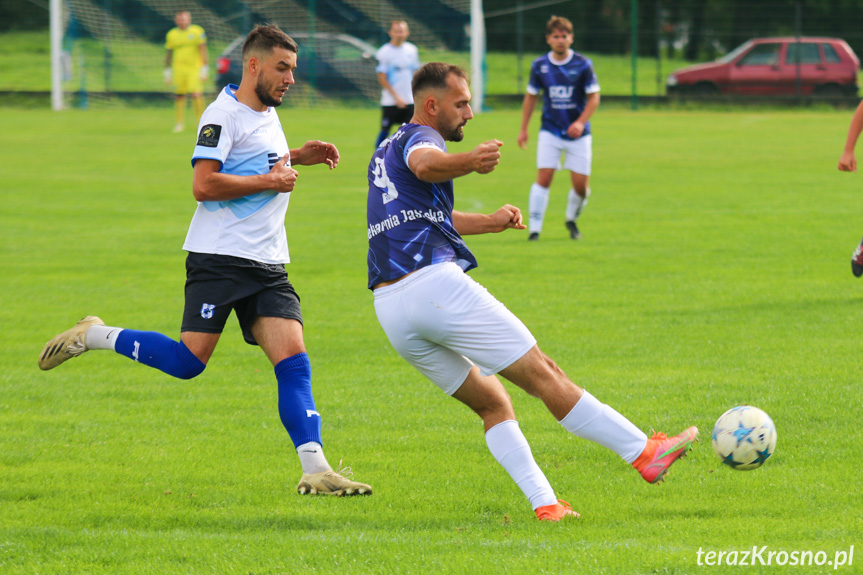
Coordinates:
207 310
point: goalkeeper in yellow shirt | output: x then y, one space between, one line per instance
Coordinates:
186 65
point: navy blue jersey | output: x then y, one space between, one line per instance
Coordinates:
409 221
565 88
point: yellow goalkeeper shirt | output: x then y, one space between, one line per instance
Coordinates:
184 45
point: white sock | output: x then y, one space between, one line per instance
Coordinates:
575 204
509 447
537 205
593 420
312 458
101 337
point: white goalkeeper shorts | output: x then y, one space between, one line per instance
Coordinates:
443 322
577 154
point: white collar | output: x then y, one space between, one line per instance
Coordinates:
565 61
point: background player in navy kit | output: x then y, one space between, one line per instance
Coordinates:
448 326
237 253
398 59
571 96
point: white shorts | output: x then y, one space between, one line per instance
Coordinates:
577 154
443 322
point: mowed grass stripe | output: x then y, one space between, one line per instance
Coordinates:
713 271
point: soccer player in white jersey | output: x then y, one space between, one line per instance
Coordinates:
447 325
570 97
243 178
398 59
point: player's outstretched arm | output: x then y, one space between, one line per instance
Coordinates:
434 166
527 108
208 184
316 152
505 218
848 162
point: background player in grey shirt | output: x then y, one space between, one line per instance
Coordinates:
398 59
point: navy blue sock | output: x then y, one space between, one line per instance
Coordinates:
159 351
296 404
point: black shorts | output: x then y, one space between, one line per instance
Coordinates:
395 116
217 284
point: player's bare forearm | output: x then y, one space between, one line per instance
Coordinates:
507 217
385 84
316 152
576 129
468 224
590 106
220 187
382 80
434 166
527 108
210 185
848 162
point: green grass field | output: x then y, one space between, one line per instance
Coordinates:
714 271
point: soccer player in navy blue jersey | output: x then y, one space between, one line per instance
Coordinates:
238 248
570 97
447 325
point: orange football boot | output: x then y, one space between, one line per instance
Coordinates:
661 451
555 512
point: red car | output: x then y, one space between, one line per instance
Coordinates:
827 67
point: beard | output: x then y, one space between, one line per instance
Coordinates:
263 92
452 133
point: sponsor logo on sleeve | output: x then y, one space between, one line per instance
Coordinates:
209 136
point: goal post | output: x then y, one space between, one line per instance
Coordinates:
56 26
477 55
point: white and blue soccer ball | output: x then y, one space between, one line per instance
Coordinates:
744 437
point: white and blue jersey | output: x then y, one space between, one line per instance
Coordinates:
246 143
565 86
409 221
399 64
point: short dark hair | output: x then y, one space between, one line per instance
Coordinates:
558 23
264 38
434 75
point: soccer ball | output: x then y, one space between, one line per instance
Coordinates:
744 437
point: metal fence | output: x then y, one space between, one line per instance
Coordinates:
634 44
